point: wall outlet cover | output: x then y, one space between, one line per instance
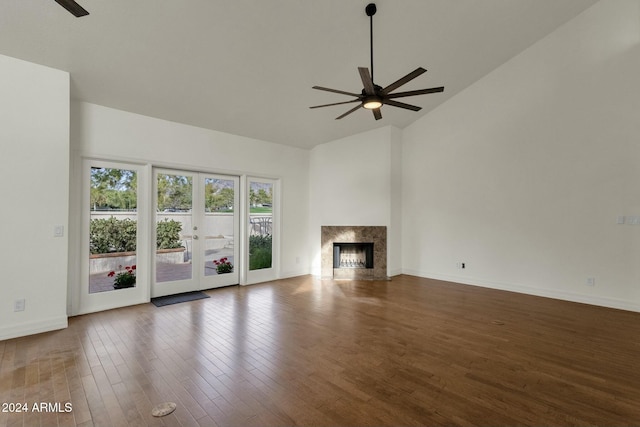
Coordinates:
19 304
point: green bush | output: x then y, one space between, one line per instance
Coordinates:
112 235
260 242
261 258
260 252
168 234
115 235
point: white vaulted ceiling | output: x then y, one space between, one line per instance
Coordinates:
247 66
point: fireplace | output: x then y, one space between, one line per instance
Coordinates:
354 252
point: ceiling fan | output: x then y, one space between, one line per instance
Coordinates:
373 96
73 7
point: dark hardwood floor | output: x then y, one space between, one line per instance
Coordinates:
409 351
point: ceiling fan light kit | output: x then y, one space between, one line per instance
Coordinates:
372 102
373 96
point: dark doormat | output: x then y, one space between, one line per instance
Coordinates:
175 299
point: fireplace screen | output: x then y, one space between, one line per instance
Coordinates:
353 255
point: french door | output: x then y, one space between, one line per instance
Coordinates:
262 224
197 226
114 235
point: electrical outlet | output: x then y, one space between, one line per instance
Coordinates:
460 265
19 304
591 281
58 231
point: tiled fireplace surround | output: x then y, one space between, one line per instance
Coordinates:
354 234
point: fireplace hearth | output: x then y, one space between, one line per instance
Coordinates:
354 252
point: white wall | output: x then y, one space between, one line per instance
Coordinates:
101 132
34 179
522 175
351 183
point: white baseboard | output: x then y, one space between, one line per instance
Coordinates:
395 272
34 327
293 273
547 293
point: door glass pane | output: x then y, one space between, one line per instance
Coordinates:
218 227
113 229
174 228
260 225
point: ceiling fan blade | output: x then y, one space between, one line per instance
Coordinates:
401 105
349 112
366 81
415 92
335 103
406 79
334 90
73 7
377 114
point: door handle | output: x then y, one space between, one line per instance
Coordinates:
195 237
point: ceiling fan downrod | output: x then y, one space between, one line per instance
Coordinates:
370 11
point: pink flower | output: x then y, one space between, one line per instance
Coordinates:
111 274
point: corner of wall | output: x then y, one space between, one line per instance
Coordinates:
35 104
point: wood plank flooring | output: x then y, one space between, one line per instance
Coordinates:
301 351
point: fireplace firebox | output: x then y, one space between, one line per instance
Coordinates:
352 255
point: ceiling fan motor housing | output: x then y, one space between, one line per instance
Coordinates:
377 90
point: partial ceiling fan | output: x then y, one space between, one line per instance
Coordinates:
73 7
373 96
